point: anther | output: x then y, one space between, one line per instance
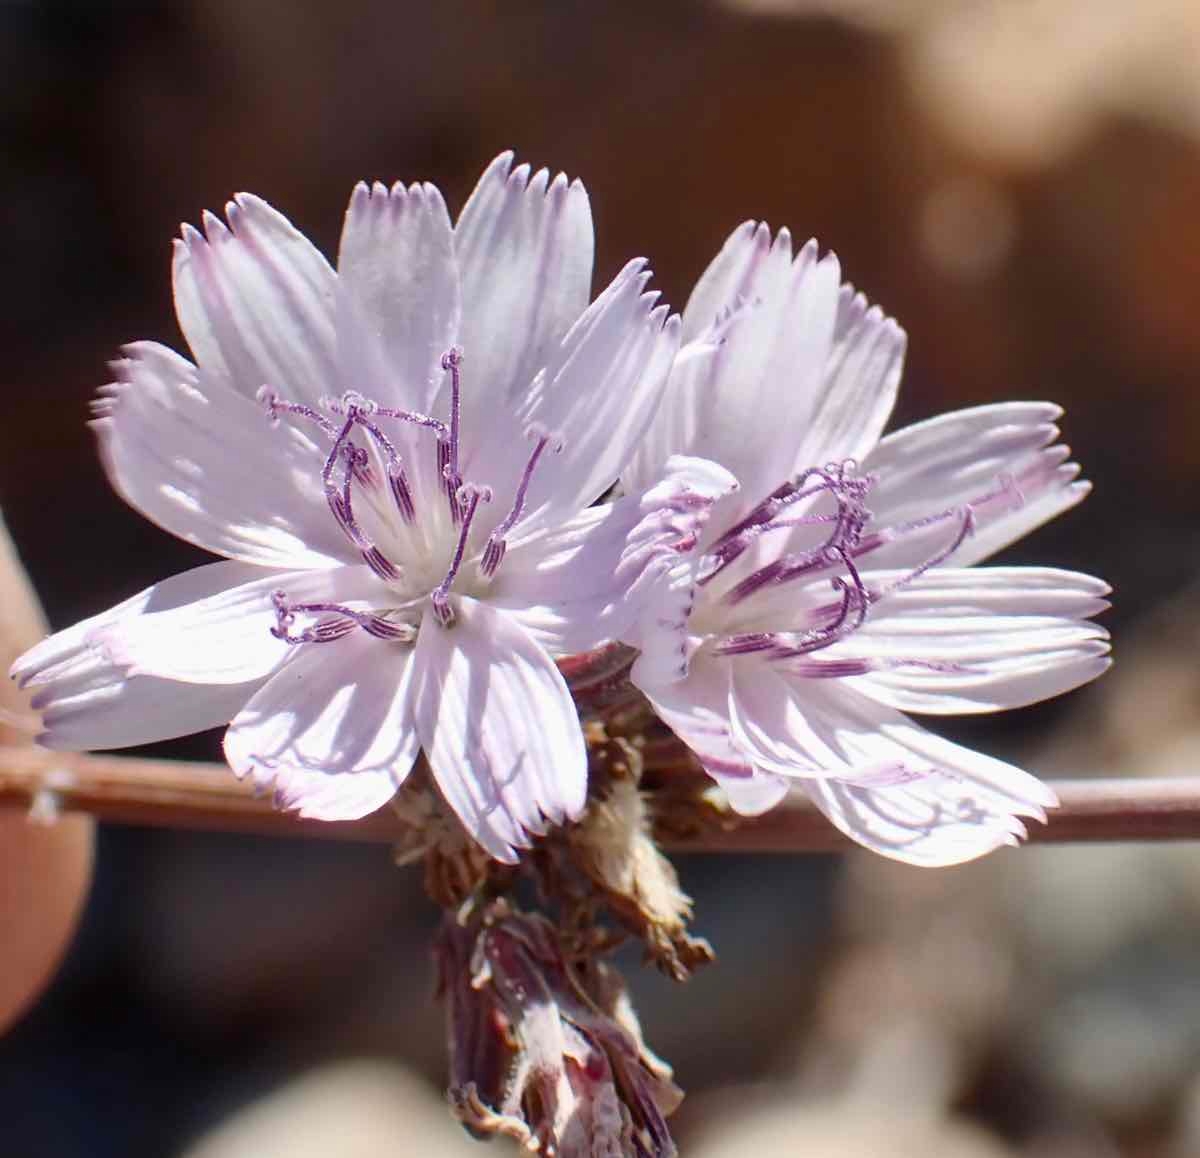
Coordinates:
344 620
467 499
339 499
397 478
849 615
748 642
323 631
848 522
493 553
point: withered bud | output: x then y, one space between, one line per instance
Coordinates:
614 846
544 1050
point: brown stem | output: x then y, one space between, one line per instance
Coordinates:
173 794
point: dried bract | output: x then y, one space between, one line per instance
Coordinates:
545 1049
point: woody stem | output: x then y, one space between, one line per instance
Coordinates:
174 794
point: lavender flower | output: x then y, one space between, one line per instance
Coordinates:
832 591
396 460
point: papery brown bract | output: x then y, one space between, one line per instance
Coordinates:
545 1050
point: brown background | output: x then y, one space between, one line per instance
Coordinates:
1019 183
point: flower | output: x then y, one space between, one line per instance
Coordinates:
396 461
833 590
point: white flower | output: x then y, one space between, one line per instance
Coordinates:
833 590
396 460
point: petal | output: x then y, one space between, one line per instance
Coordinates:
957 641
696 710
102 709
754 794
958 805
86 701
954 591
858 390
1028 671
587 580
398 295
751 403
562 586
524 249
227 638
746 263
933 822
208 466
776 728
660 562
883 781
256 303
499 728
600 391
332 730
1002 460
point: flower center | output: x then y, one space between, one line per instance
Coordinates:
831 500
354 426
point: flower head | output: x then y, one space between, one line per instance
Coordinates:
547 1050
396 461
832 590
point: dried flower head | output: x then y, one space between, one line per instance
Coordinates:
545 1050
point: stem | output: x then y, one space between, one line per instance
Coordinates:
173 794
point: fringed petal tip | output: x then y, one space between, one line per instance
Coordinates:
507 755
885 783
523 178
332 732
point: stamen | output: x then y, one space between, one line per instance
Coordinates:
965 530
397 479
275 406
358 410
469 497
728 546
748 642
361 410
847 522
447 476
849 615
493 553
341 505
845 543
1007 485
834 478
367 406
779 571
345 620
448 447
380 564
340 509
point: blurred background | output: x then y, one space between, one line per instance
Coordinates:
1018 181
